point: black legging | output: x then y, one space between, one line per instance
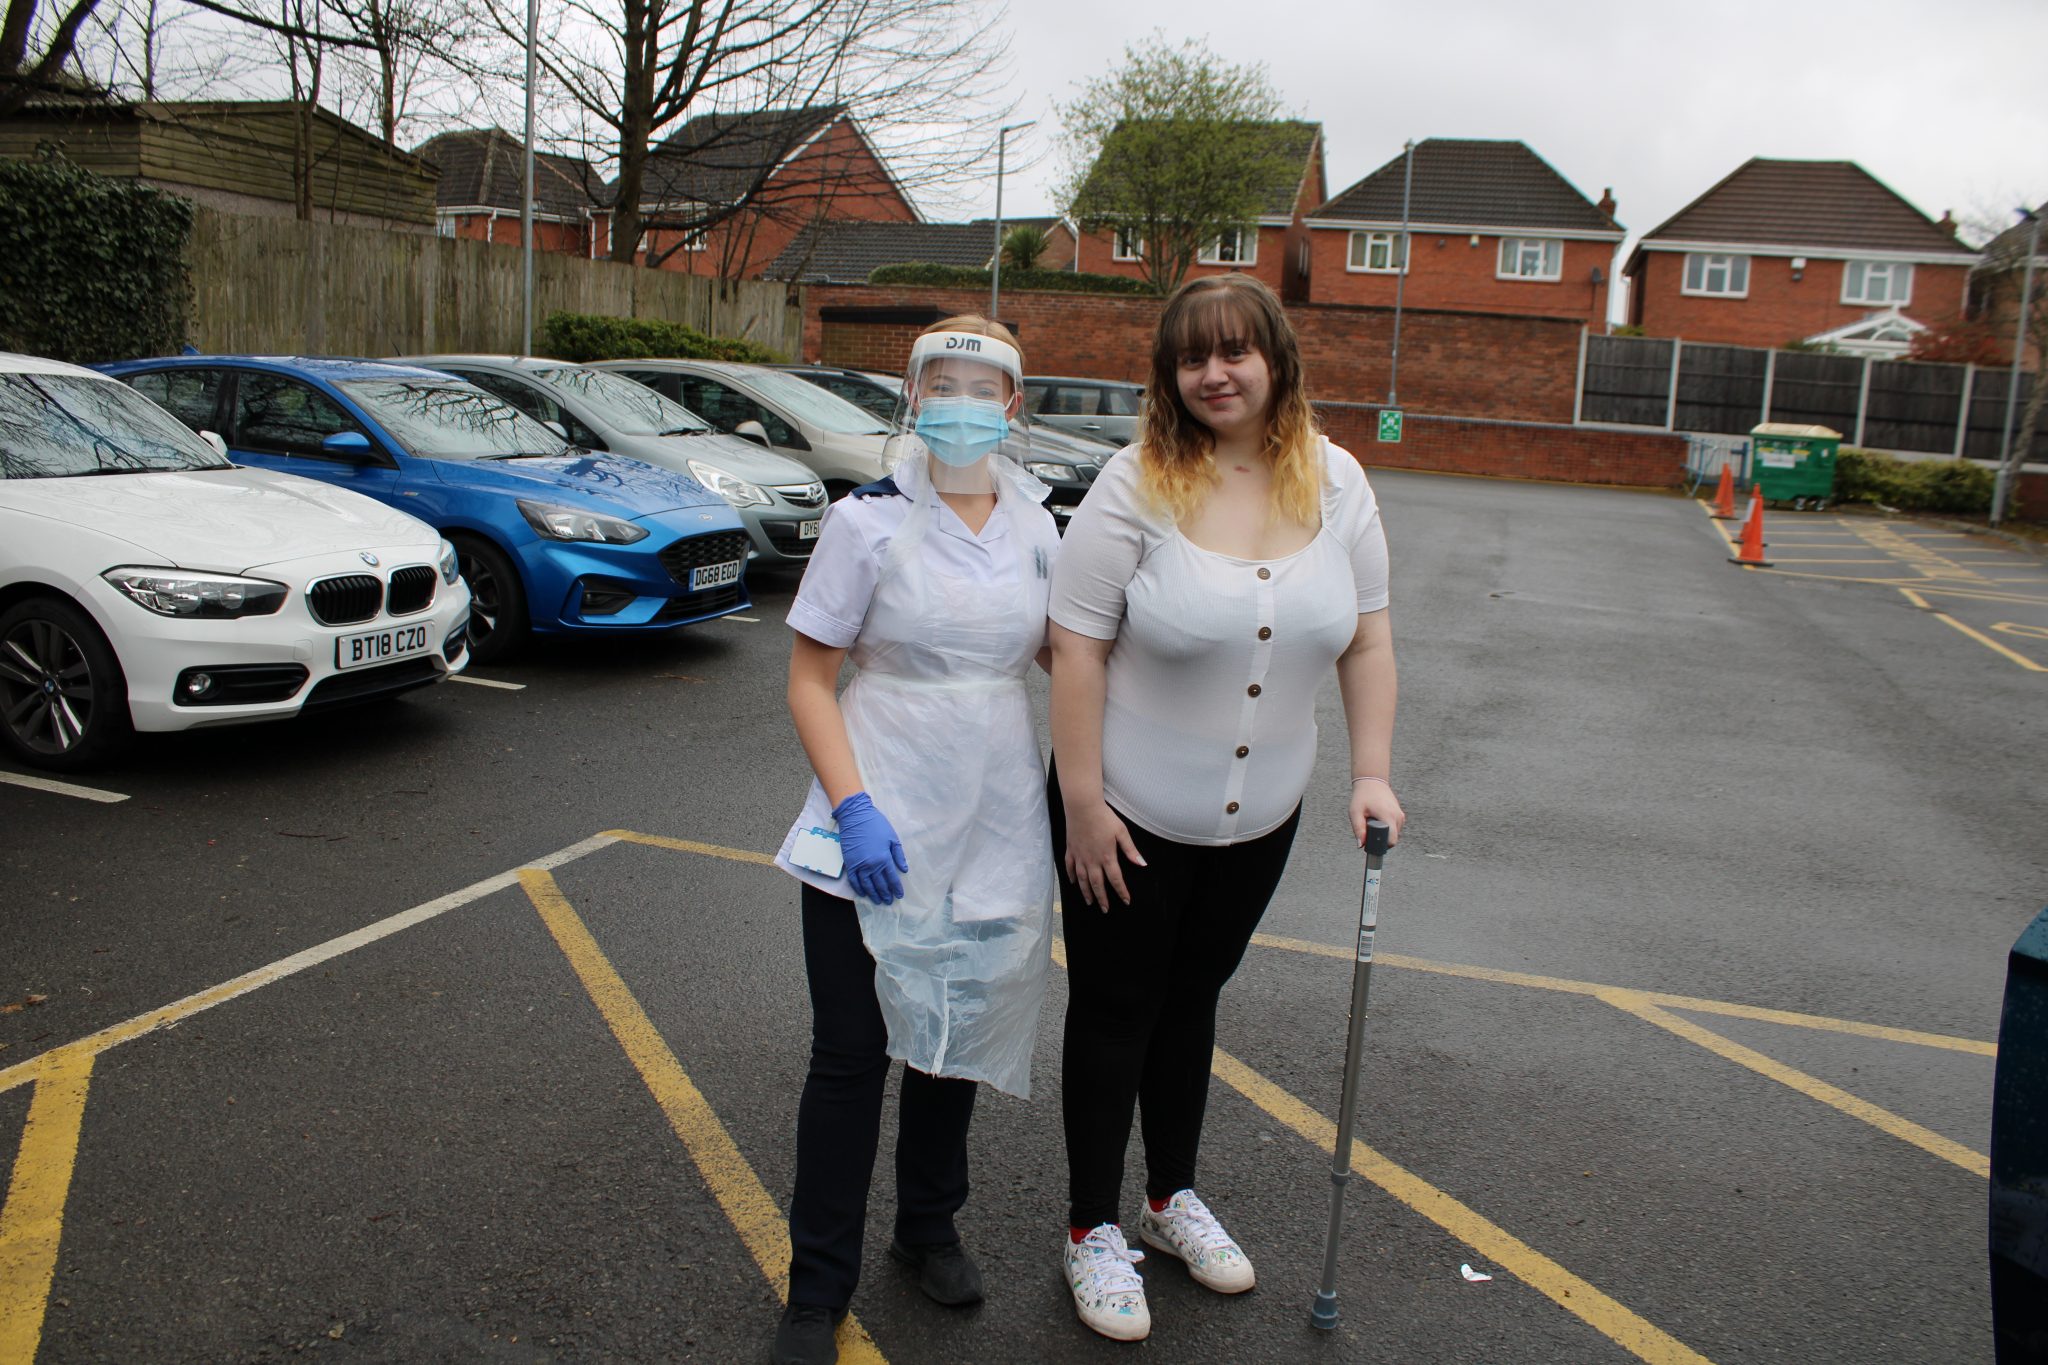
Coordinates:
1192 912
839 1120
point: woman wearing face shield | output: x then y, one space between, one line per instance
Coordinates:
924 848
1213 576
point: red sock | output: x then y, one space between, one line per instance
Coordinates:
1158 1204
1078 1235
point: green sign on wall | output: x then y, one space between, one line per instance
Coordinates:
1390 426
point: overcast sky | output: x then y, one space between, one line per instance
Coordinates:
1943 102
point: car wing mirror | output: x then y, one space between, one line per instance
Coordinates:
348 445
214 439
560 429
753 431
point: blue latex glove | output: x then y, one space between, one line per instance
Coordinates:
873 853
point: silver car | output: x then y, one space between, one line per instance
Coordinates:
779 500
1103 408
842 445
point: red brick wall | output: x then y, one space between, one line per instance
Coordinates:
568 239
1779 308
1446 271
2033 497
1518 450
1512 368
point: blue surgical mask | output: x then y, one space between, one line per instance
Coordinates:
962 430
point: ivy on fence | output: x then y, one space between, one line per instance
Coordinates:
91 268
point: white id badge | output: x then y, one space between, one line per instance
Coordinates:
818 851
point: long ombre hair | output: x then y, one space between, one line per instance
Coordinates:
1177 451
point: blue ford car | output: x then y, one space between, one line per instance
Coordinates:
551 538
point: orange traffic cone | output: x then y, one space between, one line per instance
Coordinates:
1724 495
1752 551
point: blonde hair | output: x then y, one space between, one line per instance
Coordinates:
980 326
1176 450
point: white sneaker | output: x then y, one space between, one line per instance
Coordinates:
1185 1228
1108 1294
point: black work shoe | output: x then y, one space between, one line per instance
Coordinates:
946 1274
804 1336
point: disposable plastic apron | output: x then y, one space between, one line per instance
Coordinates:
940 721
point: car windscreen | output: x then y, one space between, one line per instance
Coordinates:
625 405
446 421
802 399
55 426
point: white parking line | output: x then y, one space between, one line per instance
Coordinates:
488 682
750 620
44 784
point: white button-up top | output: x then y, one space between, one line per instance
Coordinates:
1209 731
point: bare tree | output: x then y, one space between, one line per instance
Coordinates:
918 76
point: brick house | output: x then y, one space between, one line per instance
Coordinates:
1494 228
251 157
483 172
1274 250
1795 251
727 193
1996 283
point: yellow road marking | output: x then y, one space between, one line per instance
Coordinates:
1634 1002
1618 1324
32 1219
178 1010
737 855
739 1191
1699 1005
1985 640
1782 559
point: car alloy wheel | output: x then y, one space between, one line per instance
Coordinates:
497 601
62 697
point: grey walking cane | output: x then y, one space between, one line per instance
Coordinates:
1324 1313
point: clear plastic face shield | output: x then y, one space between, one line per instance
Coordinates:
962 393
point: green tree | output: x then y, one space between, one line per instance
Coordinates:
1023 245
1174 149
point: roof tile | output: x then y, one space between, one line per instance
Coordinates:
1462 182
1820 204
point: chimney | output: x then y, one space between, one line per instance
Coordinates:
1606 204
1947 223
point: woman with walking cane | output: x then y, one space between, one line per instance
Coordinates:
923 849
1211 579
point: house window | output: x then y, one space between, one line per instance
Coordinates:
1379 252
1239 246
1128 244
1531 258
445 224
1879 282
1719 276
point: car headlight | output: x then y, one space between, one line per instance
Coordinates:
731 487
1052 473
569 523
172 592
450 564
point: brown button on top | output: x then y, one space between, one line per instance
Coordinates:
1265 632
1230 809
1242 751
1252 691
1265 573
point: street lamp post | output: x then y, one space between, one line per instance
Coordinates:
995 277
2007 466
526 195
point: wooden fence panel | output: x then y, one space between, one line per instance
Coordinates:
1721 389
1817 389
1913 406
282 287
1628 379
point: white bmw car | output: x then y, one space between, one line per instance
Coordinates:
147 583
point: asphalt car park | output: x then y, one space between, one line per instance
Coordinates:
470 1027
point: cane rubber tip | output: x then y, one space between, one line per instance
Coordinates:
1323 1316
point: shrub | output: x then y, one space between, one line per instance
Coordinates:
965 277
1913 485
1022 246
587 336
92 268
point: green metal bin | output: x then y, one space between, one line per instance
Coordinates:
1794 463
